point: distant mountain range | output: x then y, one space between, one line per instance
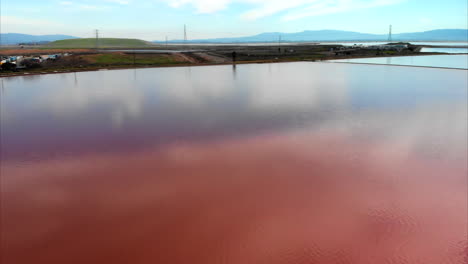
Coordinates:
304 36
15 38
338 35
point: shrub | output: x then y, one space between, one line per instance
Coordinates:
8 66
30 64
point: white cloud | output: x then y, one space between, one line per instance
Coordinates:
202 6
90 7
338 6
120 2
269 8
27 25
23 21
295 9
95 6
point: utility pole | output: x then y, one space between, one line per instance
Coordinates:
390 34
185 34
97 38
166 41
279 44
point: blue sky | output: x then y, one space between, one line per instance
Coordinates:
156 19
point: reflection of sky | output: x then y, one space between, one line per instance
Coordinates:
459 44
446 50
67 94
107 111
403 87
441 61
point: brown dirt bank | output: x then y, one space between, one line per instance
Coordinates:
86 62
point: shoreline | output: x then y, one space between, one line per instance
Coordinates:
129 67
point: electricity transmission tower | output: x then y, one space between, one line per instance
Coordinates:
97 39
185 34
390 34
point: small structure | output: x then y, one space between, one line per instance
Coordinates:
234 56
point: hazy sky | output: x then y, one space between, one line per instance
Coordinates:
156 19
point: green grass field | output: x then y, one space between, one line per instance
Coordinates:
126 59
88 43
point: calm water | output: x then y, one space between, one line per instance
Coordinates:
459 44
354 43
442 61
446 50
347 43
456 44
262 163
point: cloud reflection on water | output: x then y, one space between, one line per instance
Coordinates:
263 165
131 109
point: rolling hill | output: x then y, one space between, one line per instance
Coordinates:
15 38
102 43
338 35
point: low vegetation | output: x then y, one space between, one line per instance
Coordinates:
81 62
130 59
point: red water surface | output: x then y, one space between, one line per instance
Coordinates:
286 198
288 163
